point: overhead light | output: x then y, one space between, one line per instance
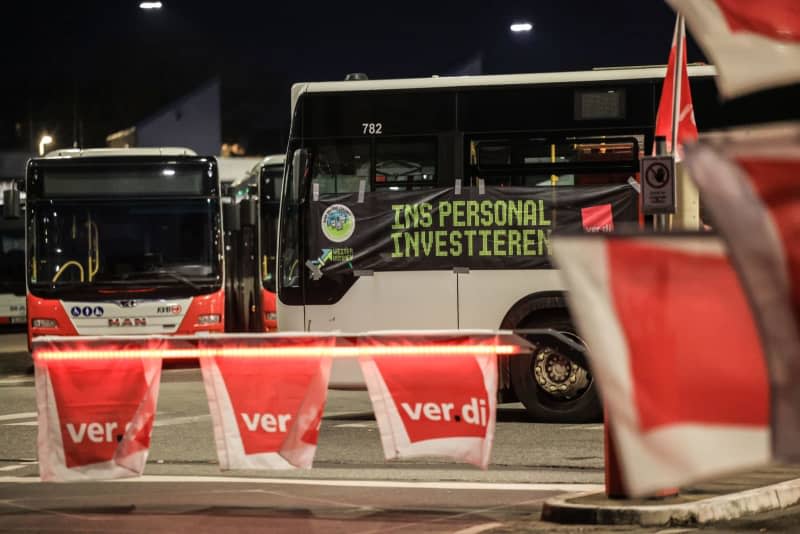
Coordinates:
150 5
168 172
44 141
521 27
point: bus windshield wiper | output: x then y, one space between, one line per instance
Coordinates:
162 272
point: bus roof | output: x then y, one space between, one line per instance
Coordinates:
445 82
102 152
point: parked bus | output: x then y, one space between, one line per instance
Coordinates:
251 246
429 203
124 241
12 260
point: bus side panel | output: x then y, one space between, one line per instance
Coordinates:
12 309
485 297
395 300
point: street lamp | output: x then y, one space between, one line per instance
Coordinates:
518 27
150 5
44 140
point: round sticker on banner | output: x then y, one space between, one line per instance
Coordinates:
338 223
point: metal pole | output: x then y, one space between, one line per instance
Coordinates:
676 82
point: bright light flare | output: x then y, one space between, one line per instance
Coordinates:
150 5
521 27
277 352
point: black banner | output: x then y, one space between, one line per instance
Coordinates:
499 228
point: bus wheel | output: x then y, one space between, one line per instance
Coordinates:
552 388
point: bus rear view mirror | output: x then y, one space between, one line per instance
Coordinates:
300 172
11 204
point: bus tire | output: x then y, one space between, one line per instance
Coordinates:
541 405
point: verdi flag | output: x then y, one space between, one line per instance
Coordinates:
675 353
754 45
749 179
429 404
266 409
682 101
95 414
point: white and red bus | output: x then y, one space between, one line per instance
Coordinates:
428 204
124 241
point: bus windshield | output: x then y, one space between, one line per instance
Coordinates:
271 182
135 242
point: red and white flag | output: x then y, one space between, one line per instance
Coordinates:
433 404
675 352
687 127
754 45
95 415
750 181
266 410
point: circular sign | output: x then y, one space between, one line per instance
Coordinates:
657 175
338 223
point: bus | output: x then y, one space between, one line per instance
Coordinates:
251 246
12 259
123 242
429 203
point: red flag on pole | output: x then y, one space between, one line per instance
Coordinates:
749 181
675 352
680 99
754 45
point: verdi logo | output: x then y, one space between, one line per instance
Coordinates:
338 223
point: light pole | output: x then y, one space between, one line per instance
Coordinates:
43 141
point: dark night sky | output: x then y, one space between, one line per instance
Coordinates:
119 63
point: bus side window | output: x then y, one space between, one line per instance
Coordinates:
405 164
340 166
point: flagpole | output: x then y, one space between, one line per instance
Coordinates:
676 82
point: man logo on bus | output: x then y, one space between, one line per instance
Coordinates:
338 223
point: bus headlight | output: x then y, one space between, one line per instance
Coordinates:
209 319
44 323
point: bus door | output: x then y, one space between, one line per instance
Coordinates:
357 187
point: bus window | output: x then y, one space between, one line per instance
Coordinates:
406 164
340 166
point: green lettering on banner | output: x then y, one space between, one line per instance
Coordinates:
398 210
500 213
412 244
470 235
542 220
456 248
425 216
514 240
411 215
486 212
396 237
427 244
441 242
472 214
485 242
544 241
530 213
515 213
445 210
499 241
529 242
458 213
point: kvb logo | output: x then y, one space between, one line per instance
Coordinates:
432 408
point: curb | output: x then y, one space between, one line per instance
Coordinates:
721 508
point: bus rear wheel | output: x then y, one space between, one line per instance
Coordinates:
553 388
